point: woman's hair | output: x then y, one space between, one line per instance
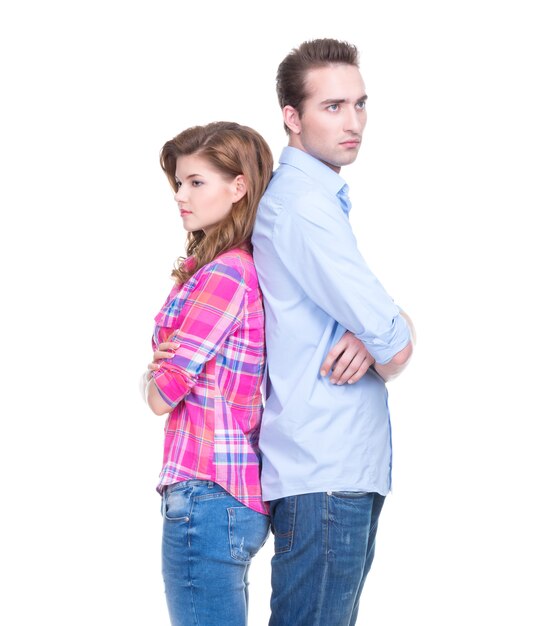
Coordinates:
232 149
291 74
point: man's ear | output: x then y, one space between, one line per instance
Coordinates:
240 188
292 119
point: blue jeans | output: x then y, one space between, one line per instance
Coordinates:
209 539
324 547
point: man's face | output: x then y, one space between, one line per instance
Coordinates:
334 115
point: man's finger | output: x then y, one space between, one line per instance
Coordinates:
342 373
330 359
359 373
343 363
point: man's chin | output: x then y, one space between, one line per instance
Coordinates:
347 159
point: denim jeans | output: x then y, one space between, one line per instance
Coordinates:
324 547
209 539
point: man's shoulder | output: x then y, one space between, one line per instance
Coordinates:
289 178
292 189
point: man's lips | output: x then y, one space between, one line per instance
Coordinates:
350 143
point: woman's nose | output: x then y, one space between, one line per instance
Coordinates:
179 195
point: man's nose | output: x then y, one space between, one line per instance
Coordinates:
354 120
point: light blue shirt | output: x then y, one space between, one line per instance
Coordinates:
315 435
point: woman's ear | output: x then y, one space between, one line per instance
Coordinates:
240 188
292 119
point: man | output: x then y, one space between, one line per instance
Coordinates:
326 446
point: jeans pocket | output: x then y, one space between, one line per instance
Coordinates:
247 532
283 522
352 495
177 503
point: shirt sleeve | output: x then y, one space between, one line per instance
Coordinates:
213 310
315 241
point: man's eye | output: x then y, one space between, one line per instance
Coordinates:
361 105
333 107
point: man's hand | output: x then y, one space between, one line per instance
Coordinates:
347 361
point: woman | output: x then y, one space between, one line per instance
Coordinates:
206 374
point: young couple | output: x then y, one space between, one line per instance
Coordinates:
317 467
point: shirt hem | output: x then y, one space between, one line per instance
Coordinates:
300 491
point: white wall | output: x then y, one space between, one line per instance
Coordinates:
444 193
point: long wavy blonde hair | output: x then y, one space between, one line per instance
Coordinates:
233 149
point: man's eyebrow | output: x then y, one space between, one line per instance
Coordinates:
334 101
342 100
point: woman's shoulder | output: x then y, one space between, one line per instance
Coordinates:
236 262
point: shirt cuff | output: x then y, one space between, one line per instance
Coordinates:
393 341
173 383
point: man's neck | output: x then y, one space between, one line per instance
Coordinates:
299 146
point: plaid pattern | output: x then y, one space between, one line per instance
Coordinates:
213 382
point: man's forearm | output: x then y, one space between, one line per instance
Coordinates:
396 365
399 361
410 325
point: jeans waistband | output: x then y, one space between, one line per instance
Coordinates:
192 482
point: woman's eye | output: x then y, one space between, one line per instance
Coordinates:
197 183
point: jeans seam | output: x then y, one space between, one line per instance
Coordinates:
293 515
193 603
325 522
232 519
291 512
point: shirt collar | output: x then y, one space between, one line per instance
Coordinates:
317 170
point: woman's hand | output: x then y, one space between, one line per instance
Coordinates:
165 350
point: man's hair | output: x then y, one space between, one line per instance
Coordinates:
232 149
291 74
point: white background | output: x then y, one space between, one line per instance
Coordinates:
444 193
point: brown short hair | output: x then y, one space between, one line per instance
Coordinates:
233 149
291 74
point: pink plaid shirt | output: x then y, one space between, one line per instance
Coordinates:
213 383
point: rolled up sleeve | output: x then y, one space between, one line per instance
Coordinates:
317 245
212 311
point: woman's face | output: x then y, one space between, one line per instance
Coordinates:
204 195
